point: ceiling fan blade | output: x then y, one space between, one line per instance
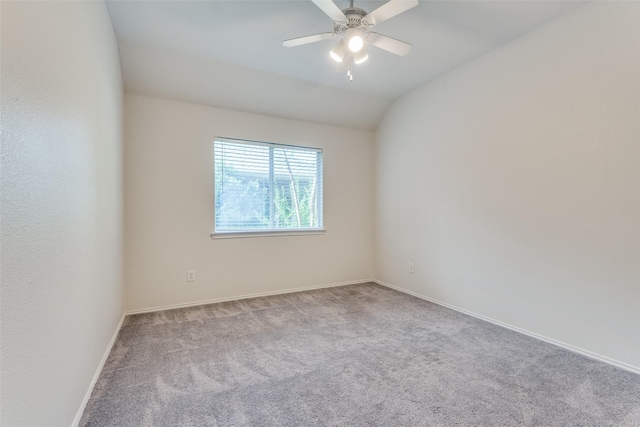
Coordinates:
330 8
308 39
389 10
389 44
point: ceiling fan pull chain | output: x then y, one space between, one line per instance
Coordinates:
349 69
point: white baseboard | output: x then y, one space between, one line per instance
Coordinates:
565 346
241 297
76 420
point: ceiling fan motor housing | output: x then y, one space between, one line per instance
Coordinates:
354 20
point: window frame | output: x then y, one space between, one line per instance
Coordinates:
244 233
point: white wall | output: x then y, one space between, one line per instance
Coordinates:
169 208
513 184
61 213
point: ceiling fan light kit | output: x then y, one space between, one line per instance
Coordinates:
353 26
339 51
360 56
354 39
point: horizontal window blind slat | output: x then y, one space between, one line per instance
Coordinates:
249 143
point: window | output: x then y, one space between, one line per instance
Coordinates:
264 187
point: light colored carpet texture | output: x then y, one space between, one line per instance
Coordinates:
359 355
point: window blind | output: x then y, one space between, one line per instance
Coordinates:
263 186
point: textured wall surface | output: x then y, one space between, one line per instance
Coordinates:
513 184
61 212
169 207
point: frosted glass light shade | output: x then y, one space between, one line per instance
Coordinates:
338 51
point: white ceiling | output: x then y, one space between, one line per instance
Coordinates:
229 54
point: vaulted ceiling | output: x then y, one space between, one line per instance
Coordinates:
229 54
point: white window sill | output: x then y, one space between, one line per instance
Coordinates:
269 233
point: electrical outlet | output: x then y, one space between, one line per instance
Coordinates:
191 275
411 268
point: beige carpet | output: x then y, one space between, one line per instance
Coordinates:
360 355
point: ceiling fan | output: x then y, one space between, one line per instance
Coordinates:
353 26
